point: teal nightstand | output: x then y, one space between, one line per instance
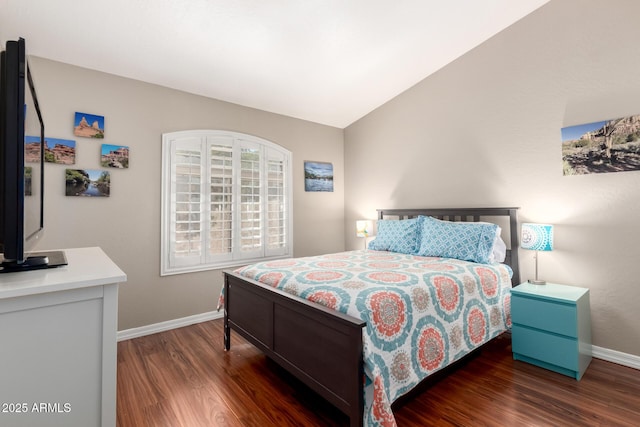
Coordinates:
552 327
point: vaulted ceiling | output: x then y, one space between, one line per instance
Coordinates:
327 61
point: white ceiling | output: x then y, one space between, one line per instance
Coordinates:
327 61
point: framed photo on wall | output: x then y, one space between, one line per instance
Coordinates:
61 151
600 147
87 183
88 125
318 176
114 156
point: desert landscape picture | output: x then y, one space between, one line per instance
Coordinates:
61 151
88 125
114 156
605 146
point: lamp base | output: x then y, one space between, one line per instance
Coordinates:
537 282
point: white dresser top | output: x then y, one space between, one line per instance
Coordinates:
86 267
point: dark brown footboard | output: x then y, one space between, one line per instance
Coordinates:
319 346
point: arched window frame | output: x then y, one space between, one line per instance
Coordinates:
226 201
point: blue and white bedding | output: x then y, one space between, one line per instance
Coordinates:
422 313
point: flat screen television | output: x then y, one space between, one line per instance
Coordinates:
22 149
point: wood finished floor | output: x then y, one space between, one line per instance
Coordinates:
183 377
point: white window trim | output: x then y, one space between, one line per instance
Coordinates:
168 141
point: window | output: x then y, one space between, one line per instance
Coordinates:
226 200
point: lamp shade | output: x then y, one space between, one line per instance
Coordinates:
364 228
537 237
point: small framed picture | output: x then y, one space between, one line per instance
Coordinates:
61 151
87 183
601 147
318 176
88 125
114 156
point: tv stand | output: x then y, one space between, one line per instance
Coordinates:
58 343
35 261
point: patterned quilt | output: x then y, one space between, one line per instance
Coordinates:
422 313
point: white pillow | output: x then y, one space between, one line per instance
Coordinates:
499 252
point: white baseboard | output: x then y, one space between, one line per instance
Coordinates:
128 334
618 357
614 356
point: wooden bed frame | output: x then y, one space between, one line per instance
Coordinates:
320 346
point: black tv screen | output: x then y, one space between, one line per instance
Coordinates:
22 148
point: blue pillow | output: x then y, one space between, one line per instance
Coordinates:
467 241
397 236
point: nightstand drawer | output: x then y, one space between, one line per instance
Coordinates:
543 314
548 348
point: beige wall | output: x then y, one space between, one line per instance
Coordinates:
485 131
127 224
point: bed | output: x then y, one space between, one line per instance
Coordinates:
314 326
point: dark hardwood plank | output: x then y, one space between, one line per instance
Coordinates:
183 377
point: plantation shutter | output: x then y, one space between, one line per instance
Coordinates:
186 246
226 201
250 203
276 221
221 199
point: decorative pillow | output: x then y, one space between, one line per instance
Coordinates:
468 241
397 236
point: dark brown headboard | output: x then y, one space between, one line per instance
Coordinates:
509 227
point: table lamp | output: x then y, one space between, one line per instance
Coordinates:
537 237
364 229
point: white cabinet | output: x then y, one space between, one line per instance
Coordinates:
58 343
